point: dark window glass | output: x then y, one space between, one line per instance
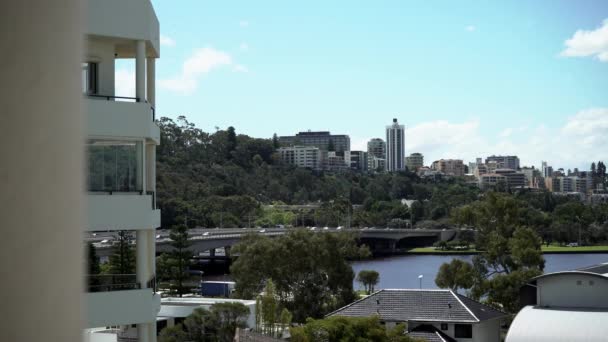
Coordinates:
113 166
463 331
89 78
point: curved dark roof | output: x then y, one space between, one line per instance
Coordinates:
548 275
419 305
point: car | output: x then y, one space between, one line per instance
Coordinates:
572 244
313 228
205 233
280 226
104 241
158 236
263 231
325 228
339 228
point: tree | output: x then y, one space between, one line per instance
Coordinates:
369 279
455 275
175 333
228 317
285 320
180 258
93 260
275 141
310 271
269 308
122 261
348 329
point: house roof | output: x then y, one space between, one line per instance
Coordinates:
401 305
558 325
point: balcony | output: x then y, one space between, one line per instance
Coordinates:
119 307
122 211
112 116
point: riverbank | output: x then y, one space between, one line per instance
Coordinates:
545 249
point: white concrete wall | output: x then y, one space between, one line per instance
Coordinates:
130 19
115 119
121 211
487 331
563 291
121 307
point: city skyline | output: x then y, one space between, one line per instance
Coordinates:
462 84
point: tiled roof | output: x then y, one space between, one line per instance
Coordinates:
419 305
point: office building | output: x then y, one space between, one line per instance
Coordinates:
358 160
451 167
414 161
121 151
491 180
376 154
325 141
514 178
504 162
301 156
547 171
395 147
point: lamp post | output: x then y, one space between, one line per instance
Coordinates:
420 279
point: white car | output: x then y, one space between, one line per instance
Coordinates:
325 228
205 233
263 231
340 227
313 228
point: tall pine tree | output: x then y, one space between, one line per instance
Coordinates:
180 258
123 259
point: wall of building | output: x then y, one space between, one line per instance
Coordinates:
564 290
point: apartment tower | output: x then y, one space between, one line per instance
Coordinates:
395 147
122 136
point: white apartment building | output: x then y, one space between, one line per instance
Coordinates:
121 153
395 147
301 156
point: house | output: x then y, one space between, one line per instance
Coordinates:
433 315
564 306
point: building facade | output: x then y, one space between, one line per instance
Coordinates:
359 161
504 162
514 178
395 147
451 167
325 141
121 152
414 161
301 156
376 154
491 180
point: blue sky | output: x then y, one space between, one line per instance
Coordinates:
467 78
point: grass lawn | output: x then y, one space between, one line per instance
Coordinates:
545 249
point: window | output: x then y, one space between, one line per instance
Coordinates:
463 331
444 326
89 78
115 165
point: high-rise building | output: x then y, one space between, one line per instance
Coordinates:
122 136
301 156
395 147
414 161
358 160
504 162
452 167
323 140
547 171
376 154
514 178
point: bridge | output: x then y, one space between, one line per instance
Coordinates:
380 240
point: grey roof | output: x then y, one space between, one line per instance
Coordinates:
599 269
419 305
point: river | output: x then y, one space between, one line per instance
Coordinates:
401 272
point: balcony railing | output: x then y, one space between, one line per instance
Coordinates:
122 99
112 282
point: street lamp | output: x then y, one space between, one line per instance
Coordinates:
420 279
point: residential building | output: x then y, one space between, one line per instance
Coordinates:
492 166
358 160
395 147
598 197
301 156
505 162
514 178
491 180
564 306
547 171
324 140
529 173
335 161
451 167
121 151
431 315
376 154
414 161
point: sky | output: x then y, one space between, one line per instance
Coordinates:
467 78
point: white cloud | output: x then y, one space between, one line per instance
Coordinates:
166 41
244 46
124 82
580 140
244 23
470 28
588 43
240 68
200 63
